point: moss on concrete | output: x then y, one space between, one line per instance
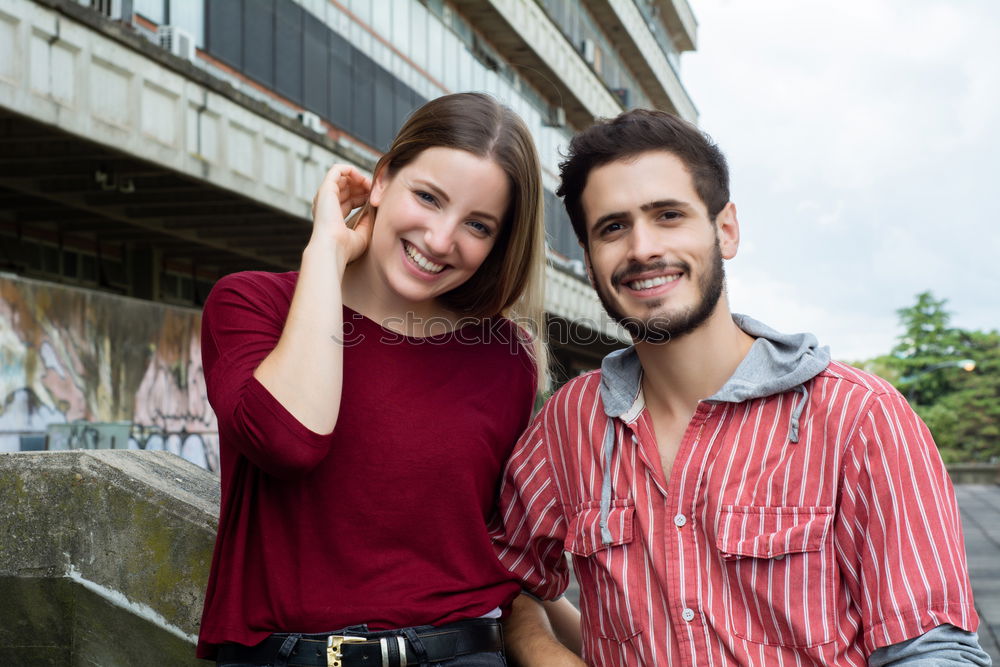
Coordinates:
135 523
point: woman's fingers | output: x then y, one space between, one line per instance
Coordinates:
354 189
330 188
345 185
343 189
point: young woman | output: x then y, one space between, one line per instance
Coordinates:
367 402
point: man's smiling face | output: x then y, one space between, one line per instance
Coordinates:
654 256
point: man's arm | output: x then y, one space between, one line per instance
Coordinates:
529 537
565 621
899 534
943 646
529 636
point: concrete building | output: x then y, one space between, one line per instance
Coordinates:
148 147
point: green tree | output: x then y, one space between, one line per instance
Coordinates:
928 341
961 408
966 421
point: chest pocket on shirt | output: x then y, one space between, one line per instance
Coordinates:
604 570
779 572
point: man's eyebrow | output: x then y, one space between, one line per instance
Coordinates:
645 208
441 193
664 203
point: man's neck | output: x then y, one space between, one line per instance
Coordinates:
680 373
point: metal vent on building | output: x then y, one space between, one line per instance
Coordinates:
116 10
179 42
312 121
556 117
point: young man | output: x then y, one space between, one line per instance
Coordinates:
729 494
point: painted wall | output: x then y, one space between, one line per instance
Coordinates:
71 355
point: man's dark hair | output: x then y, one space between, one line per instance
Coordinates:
634 132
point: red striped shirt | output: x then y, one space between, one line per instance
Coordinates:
759 550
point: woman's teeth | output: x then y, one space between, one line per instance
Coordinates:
421 261
653 282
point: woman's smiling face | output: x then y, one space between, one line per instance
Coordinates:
437 220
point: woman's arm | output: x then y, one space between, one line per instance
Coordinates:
304 372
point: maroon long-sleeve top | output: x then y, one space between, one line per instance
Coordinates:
383 521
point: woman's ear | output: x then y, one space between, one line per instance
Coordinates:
379 184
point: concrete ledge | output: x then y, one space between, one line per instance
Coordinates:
104 558
974 473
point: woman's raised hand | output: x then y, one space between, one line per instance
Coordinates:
343 189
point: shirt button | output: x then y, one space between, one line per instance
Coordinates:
779 557
680 520
634 438
688 614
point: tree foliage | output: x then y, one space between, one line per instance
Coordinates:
961 407
926 345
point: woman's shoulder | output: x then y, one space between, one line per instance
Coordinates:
258 280
510 338
252 286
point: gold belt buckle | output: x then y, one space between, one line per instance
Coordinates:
333 644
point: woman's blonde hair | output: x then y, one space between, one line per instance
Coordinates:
510 281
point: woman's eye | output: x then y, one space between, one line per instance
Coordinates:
480 227
425 197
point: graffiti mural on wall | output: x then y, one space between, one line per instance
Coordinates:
73 355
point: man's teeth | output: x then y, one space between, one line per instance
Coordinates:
421 261
653 282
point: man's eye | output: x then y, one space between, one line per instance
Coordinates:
670 215
612 228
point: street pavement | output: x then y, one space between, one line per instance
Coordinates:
980 507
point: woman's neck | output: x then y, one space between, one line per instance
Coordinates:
365 292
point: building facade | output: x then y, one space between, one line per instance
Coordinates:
148 147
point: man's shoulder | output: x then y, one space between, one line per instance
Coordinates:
839 372
577 394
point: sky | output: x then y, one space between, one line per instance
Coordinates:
863 139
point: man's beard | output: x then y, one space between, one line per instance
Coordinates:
665 327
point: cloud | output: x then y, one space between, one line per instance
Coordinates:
862 139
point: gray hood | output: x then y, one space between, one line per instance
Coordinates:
776 363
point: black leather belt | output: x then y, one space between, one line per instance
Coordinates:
372 649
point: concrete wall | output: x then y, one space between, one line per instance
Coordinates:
104 557
974 473
72 354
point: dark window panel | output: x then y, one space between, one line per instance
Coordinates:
316 66
258 44
385 117
400 102
224 31
340 82
288 50
88 268
416 101
70 263
403 97
50 259
558 228
363 98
